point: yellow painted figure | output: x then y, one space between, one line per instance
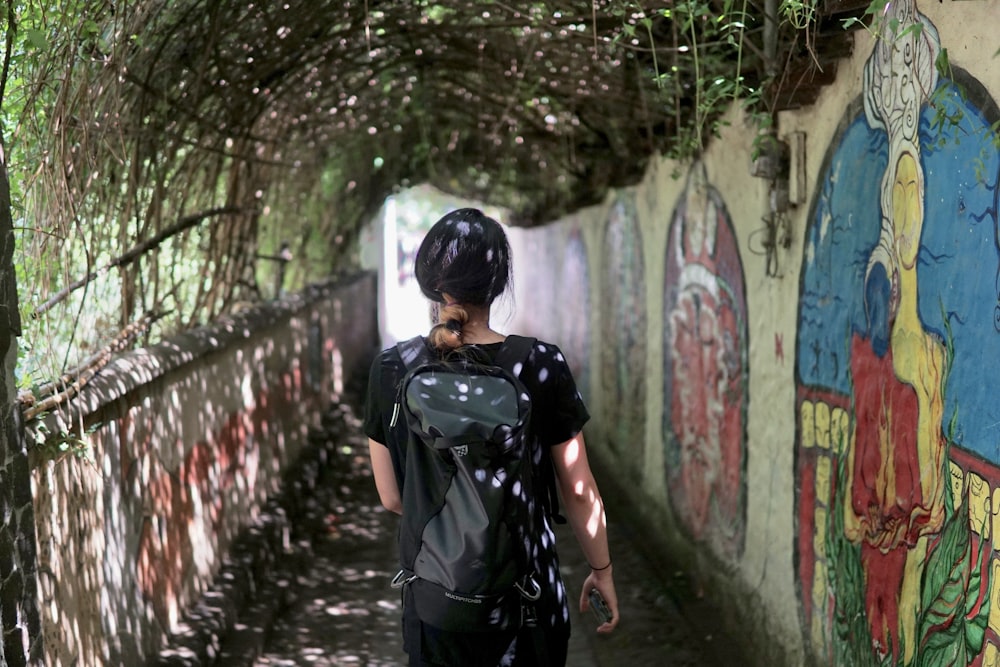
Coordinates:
896 475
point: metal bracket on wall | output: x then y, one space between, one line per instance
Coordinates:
783 163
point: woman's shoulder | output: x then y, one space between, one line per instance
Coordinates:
546 348
544 352
398 348
388 356
391 358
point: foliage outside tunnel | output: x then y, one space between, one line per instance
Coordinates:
168 158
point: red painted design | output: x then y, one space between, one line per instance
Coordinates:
208 473
706 409
886 493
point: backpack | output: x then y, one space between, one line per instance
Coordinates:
470 518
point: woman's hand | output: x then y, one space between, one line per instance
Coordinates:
603 581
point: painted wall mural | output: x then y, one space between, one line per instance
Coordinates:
624 357
574 314
896 367
705 374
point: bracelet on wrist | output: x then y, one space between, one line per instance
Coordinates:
598 569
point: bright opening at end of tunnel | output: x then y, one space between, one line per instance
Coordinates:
389 245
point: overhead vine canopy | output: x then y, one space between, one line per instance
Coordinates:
162 151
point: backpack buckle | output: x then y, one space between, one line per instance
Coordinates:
529 588
401 579
529 617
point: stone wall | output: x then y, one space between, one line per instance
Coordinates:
183 443
801 400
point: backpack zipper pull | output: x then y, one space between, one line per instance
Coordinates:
397 404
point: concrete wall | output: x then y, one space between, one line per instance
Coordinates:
186 440
817 426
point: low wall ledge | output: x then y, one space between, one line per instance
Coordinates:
135 368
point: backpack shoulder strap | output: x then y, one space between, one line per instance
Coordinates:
514 351
413 351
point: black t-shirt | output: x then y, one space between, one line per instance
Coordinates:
557 410
557 414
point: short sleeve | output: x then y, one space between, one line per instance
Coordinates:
373 425
558 410
386 373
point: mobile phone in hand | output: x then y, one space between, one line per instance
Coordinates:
599 606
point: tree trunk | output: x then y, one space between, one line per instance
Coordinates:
22 636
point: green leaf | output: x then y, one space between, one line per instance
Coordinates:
942 64
876 7
914 29
37 39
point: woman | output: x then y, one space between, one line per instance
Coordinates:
464 264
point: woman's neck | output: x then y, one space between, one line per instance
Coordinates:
477 329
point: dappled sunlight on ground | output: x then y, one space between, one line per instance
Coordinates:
345 612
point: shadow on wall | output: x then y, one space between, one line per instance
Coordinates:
183 441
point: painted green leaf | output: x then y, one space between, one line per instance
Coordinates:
945 585
942 637
983 616
975 625
975 581
943 656
950 550
974 636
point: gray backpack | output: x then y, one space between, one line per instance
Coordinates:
470 517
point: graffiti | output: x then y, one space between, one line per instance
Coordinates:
190 510
624 356
896 452
705 376
178 501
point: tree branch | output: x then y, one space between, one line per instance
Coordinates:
183 224
69 384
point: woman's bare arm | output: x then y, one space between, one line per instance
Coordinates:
584 510
385 477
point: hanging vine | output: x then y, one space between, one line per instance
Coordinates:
160 149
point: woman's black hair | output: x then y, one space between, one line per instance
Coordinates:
466 256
